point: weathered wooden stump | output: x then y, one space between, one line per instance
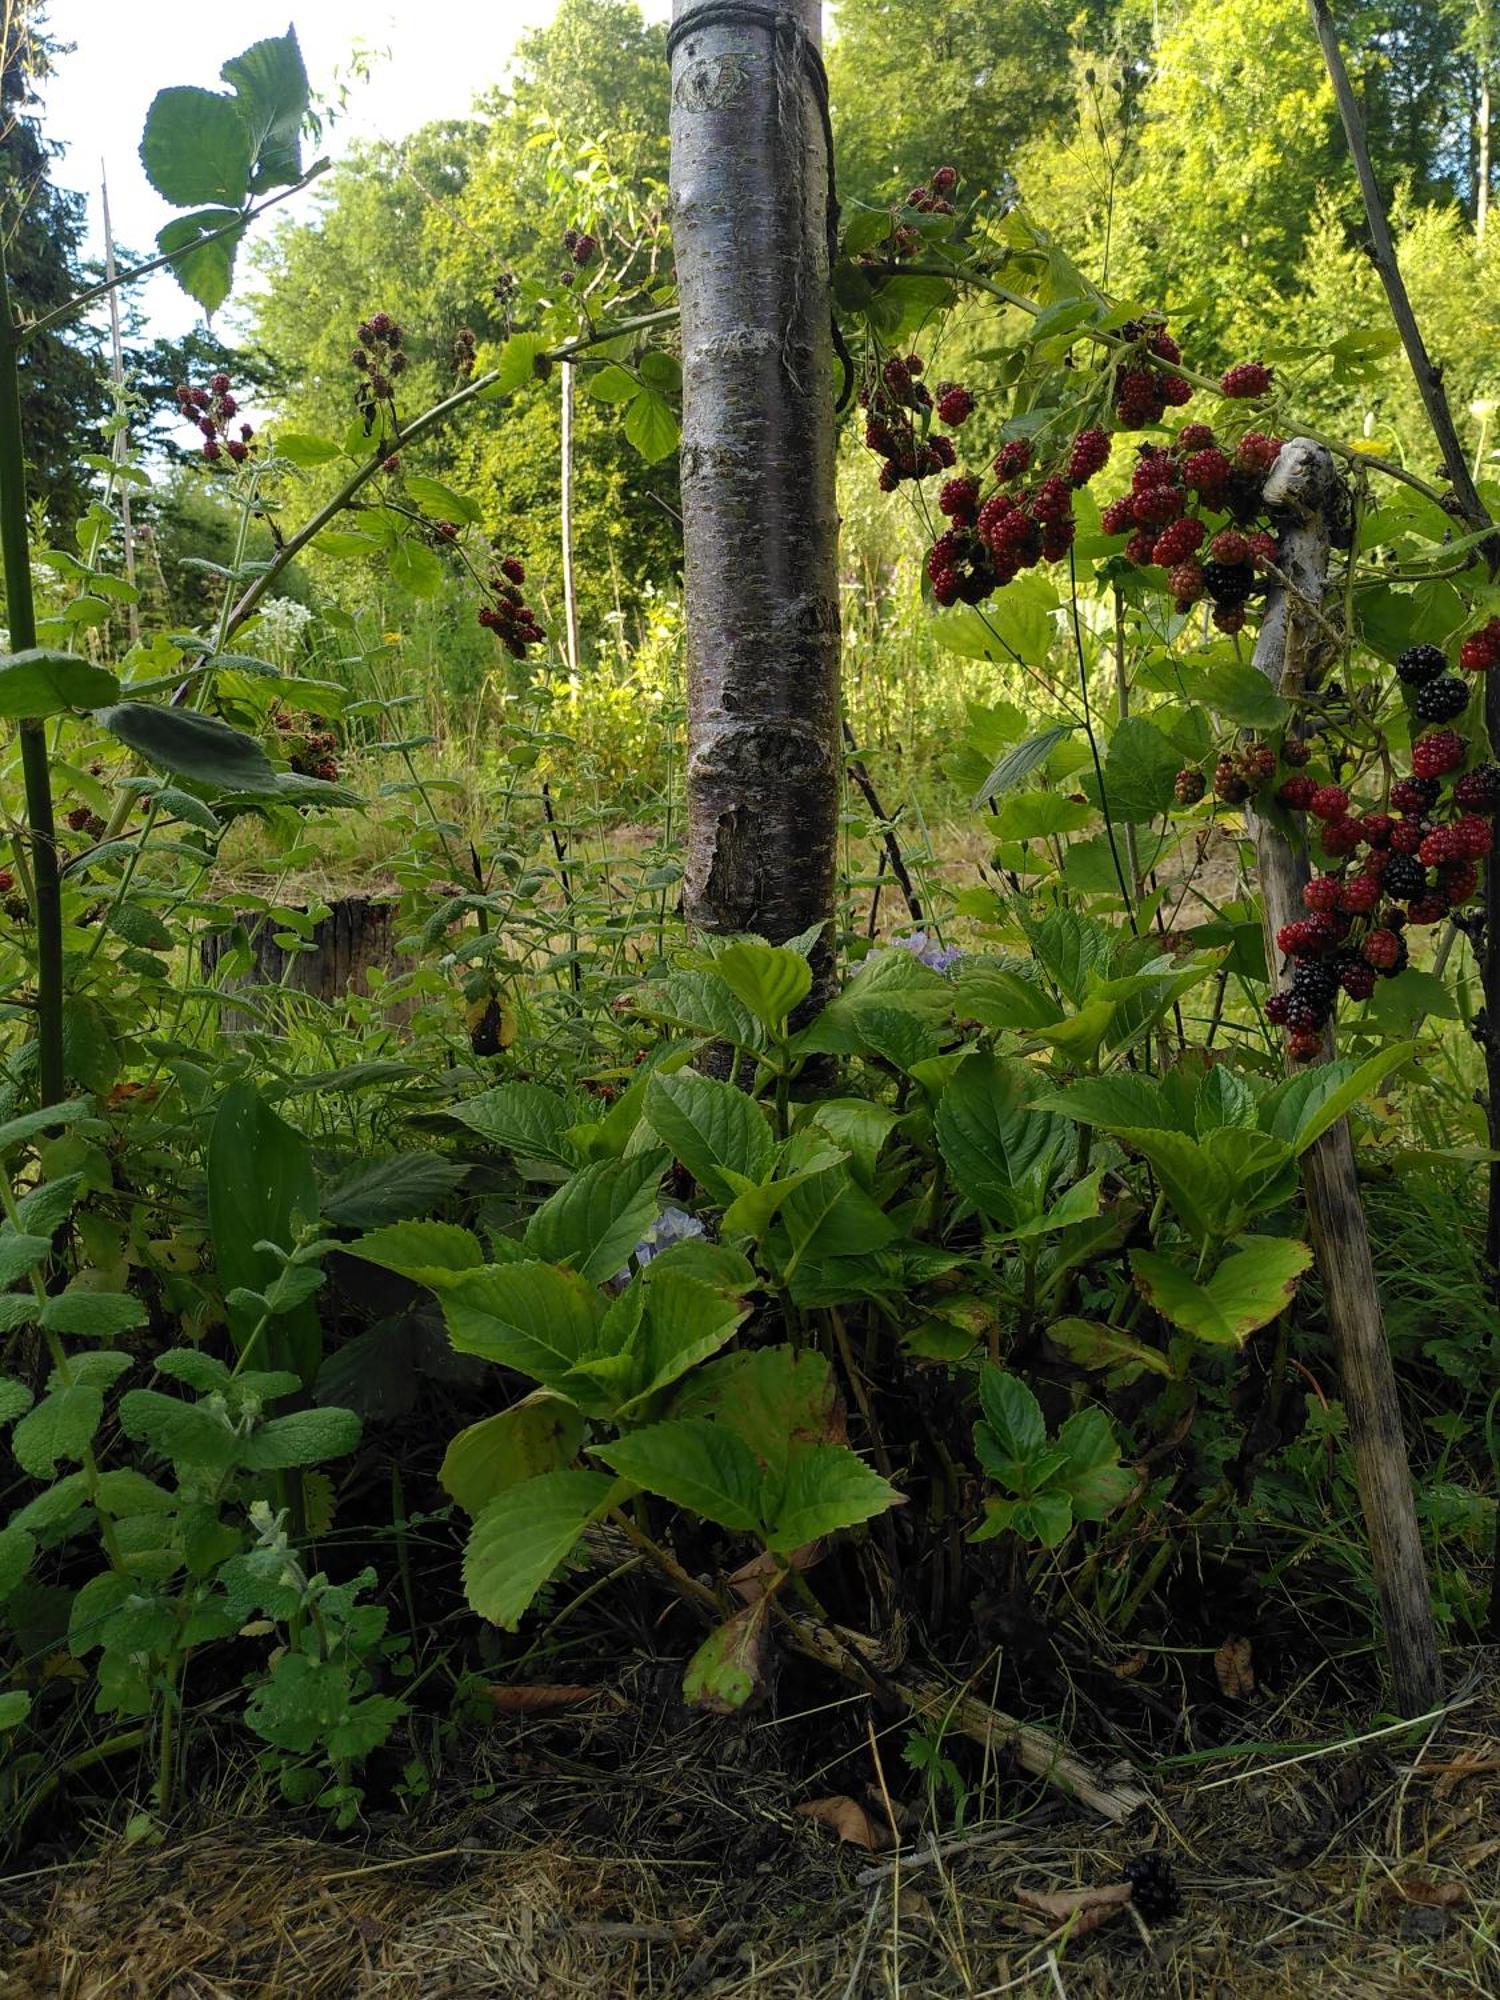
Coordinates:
356 937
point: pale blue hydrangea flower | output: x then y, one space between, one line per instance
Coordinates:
939 957
673 1225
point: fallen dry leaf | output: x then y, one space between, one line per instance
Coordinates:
1430 1895
1235 1670
1465 1765
1083 1910
750 1580
541 1698
1128 1668
848 1819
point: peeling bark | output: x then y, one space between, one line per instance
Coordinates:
1305 496
750 190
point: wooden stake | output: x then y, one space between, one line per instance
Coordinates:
1303 491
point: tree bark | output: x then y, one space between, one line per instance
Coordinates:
1303 491
750 227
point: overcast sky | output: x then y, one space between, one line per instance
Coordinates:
440 52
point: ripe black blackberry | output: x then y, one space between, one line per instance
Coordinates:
1153 1887
1228 584
1404 876
1420 664
1315 983
1442 700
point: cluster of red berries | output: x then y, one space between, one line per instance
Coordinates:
1417 862
1246 378
582 248
1172 489
510 617
1144 389
1027 521
899 407
308 742
378 360
82 819
213 410
934 196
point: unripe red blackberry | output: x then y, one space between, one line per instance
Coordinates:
1185 583
208 427
513 569
1430 908
1339 836
1207 472
1322 892
1375 829
1359 894
379 384
1436 755
211 451
1012 459
1229 617
1229 782
1230 547
1381 949
381 324
1442 700
1057 538
1256 452
1119 515
942 451
1478 791
1156 505
1196 437
583 250
1298 793
1178 541
1189 786
945 586
1477 836
1444 843
1276 1009
1481 649
945 180
1407 835
1295 751
1052 500
1329 803
219 384
1141 548
1420 664
1293 938
959 499
1458 883
1247 378
237 450
1415 795
890 476
955 404
1090 454
1304 1046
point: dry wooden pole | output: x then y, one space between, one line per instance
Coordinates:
1303 493
750 185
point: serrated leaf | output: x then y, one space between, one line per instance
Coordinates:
524 1118
29 1123
596 1219
612 384
729 1667
202 247
533 1317
1012 1415
186 1433
524 1536
39 682
998 1151
193 746
96 1314
61 1426
271 90
702 1466
651 426
1247 1290
1017 765
305 451
16 1550
1091 1474
377 1192
197 147
771 980
710 1126
440 501
517 364
302 1437
1303 1108
429 1253
825 1487
1092 1344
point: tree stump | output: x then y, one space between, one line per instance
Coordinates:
356 937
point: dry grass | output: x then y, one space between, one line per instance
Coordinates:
1360 1872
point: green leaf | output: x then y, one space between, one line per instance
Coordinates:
825 1487
429 1253
524 1536
662 371
702 1466
1248 1289
651 426
998 1152
15 1706
523 1118
1242 694
1092 1344
518 363
539 1434
189 1434
271 90
532 1317
197 147
303 1437
710 1126
1012 1415
1095 1481
416 568
1223 1098
612 384
20 1254
777 1399
29 1123
193 746
729 1666
684 1322
1303 1108
1124 1099
596 1219
260 1186
15 1399
40 682
440 501
1039 815
1217 1184
61 1426
1016 624
998 996
202 257
1071 948
16 1550
306 452
701 1005
389 1190
771 980
1139 772
1017 765
97 1314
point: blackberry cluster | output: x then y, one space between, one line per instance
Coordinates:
1395 870
581 249
1154 1888
1144 390
1247 378
308 743
1174 489
899 409
82 820
378 359
465 352
213 411
934 196
508 615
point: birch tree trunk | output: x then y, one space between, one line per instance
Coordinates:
1303 490
750 228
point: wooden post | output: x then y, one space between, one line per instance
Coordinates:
1303 494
